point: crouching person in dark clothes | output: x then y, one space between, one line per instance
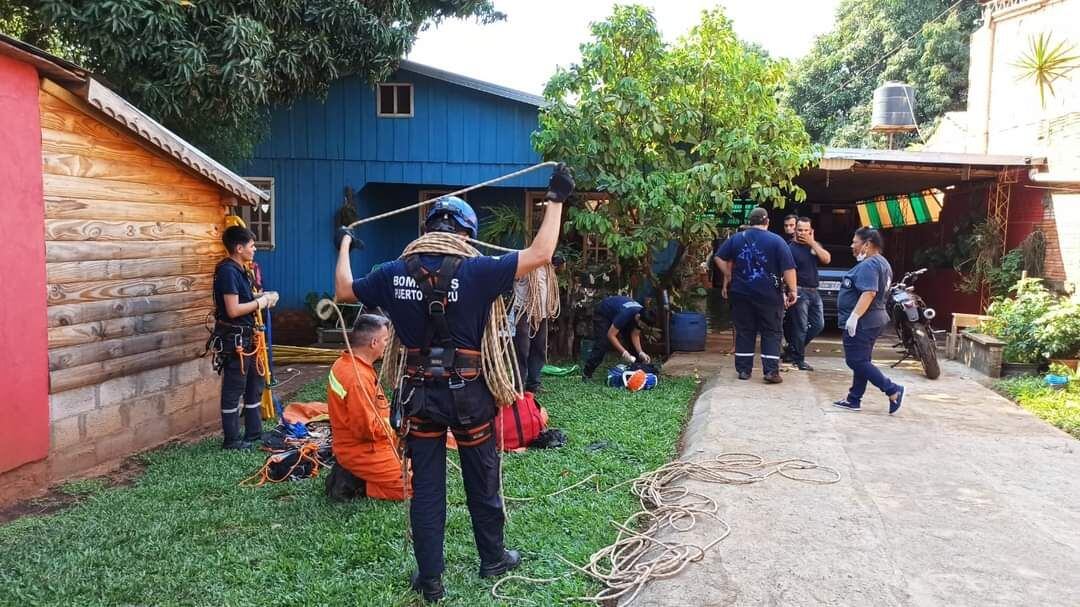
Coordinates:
365 447
439 305
235 304
618 320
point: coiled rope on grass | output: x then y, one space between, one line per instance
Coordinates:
637 556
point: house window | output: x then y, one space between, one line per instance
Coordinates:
593 251
395 100
260 219
423 209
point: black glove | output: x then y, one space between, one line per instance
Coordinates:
356 243
561 184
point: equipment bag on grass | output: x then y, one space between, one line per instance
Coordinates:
521 423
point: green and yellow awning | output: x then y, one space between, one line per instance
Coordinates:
901 210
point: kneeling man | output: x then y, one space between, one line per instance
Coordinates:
365 447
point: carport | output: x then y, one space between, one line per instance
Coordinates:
980 185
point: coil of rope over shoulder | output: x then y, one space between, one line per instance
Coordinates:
497 349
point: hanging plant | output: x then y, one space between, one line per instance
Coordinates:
1045 62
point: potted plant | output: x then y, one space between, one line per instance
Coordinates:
1015 320
1058 332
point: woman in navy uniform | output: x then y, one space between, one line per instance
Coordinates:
447 389
860 310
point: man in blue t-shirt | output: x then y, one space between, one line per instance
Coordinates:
235 305
807 317
439 306
618 320
757 266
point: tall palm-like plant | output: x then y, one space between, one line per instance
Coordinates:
1045 62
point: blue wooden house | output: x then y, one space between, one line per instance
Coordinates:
421 133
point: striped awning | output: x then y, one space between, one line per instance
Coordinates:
901 210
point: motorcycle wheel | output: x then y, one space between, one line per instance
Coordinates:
924 348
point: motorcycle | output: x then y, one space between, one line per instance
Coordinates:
912 319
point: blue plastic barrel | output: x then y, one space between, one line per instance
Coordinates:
688 331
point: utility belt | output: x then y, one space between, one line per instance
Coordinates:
225 339
456 369
436 366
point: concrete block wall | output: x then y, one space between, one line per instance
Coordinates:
97 425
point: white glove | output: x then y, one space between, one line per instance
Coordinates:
644 358
852 324
628 357
272 298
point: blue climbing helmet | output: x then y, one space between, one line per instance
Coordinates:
450 214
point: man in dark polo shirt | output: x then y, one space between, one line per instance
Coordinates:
807 316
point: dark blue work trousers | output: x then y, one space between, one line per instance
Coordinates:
479 471
858 351
752 318
241 395
531 351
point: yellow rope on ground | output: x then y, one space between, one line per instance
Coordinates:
284 355
637 556
497 349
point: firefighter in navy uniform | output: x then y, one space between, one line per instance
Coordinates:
235 303
759 273
439 306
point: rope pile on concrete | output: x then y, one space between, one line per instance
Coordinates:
637 557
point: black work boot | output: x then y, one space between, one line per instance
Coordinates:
510 560
430 588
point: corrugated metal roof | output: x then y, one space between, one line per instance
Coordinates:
472 83
83 85
932 158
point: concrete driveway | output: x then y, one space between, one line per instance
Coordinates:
962 498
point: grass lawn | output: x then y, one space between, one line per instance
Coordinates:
1058 407
186 534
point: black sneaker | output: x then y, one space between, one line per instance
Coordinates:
510 561
744 375
238 445
431 589
844 404
804 366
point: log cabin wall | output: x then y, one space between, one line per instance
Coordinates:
132 238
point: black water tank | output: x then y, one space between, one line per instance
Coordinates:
894 108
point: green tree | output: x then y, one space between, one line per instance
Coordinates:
670 133
210 69
833 85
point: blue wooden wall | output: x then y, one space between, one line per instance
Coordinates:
457 137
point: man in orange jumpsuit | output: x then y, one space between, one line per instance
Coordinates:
365 447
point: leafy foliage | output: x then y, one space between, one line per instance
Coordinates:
502 225
1045 62
1058 331
209 69
1014 320
669 132
1058 407
833 85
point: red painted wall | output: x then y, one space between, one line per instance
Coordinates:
24 408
